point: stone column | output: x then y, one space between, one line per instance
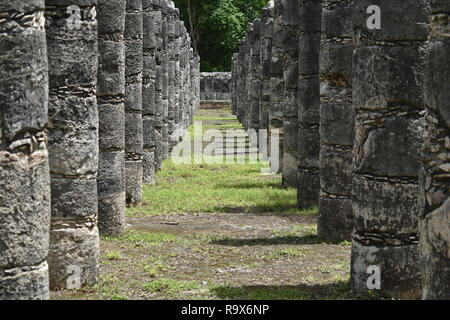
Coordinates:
290 50
24 167
134 144
265 58
276 115
197 81
165 77
308 179
249 39
388 100
255 84
185 115
241 82
148 92
158 104
337 123
173 74
73 143
234 74
434 182
192 87
111 108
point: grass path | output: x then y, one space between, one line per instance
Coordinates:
216 231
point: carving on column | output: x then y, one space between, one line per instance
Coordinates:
388 100
111 108
73 143
24 167
134 144
337 123
435 178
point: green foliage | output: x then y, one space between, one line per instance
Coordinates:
216 26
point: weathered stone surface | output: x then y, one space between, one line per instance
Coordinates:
215 85
111 109
148 93
265 59
434 194
337 122
402 258
289 56
111 189
308 139
24 168
73 142
388 100
276 113
91 85
159 103
134 145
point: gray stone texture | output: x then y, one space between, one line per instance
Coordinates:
111 109
308 143
337 122
148 92
215 85
78 97
388 69
277 83
24 165
134 144
265 60
288 40
73 142
434 194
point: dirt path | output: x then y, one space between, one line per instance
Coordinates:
242 250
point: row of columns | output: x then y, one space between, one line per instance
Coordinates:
94 95
359 89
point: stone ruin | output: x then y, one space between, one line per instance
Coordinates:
215 85
94 95
215 90
365 122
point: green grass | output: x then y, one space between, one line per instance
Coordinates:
217 188
211 188
284 253
169 286
113 255
261 293
139 238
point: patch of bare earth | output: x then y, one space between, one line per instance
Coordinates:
221 256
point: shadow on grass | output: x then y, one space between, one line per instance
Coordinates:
307 239
272 209
336 290
254 185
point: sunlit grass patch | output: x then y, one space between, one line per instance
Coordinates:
284 253
113 255
209 188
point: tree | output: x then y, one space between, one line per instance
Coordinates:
216 26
